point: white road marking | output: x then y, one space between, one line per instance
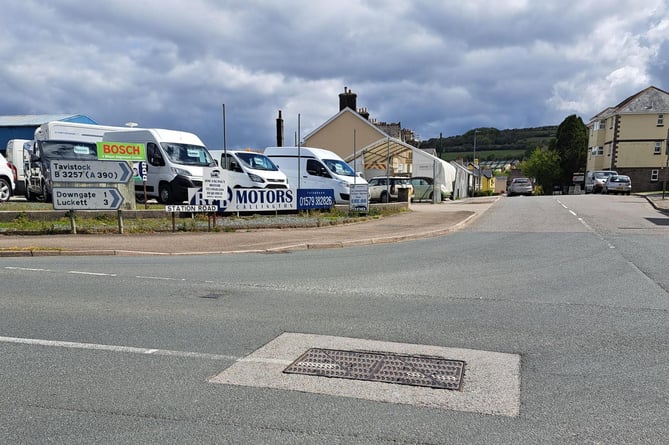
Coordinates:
97 274
587 226
159 278
115 348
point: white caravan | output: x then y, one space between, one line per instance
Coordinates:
315 168
58 140
249 169
175 162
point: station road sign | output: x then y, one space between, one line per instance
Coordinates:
92 198
96 172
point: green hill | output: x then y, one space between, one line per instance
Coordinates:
492 144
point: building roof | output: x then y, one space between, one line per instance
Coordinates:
651 100
32 120
341 112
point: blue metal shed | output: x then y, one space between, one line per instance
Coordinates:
23 126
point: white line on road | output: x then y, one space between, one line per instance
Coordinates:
115 348
97 274
159 278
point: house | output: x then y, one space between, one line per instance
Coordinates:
377 148
631 138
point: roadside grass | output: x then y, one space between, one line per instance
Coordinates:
23 224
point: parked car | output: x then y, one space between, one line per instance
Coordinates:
617 184
7 178
389 188
594 180
423 189
520 186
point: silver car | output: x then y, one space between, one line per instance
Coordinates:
520 186
617 184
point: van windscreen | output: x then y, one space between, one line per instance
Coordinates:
69 150
257 161
339 167
187 154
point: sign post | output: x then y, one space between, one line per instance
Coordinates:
110 177
91 172
93 198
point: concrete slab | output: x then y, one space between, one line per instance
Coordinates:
491 382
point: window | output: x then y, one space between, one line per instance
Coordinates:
600 151
660 120
658 148
654 174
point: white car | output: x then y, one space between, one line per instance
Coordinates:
7 177
390 188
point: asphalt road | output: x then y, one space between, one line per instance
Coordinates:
558 305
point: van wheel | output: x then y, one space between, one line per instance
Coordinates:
165 194
30 196
5 190
384 197
46 196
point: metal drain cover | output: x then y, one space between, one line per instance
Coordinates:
414 370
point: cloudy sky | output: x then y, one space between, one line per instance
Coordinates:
443 66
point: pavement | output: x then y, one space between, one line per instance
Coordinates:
422 220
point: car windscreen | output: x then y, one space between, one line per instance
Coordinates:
339 167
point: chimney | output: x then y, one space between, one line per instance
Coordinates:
279 131
348 99
364 113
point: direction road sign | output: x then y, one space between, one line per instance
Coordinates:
79 198
96 172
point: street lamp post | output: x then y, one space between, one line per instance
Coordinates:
476 176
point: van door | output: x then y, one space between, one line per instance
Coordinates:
155 164
317 176
236 174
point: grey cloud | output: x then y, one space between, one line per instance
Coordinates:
434 66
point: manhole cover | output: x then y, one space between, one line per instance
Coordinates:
415 370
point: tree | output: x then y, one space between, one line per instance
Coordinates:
571 144
544 166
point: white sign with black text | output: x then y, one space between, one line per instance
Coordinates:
214 183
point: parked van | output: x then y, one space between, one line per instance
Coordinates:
58 140
15 156
315 168
250 169
594 180
175 162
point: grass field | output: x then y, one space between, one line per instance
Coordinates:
501 155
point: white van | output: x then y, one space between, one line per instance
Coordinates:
594 180
175 162
249 169
315 168
58 140
15 156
